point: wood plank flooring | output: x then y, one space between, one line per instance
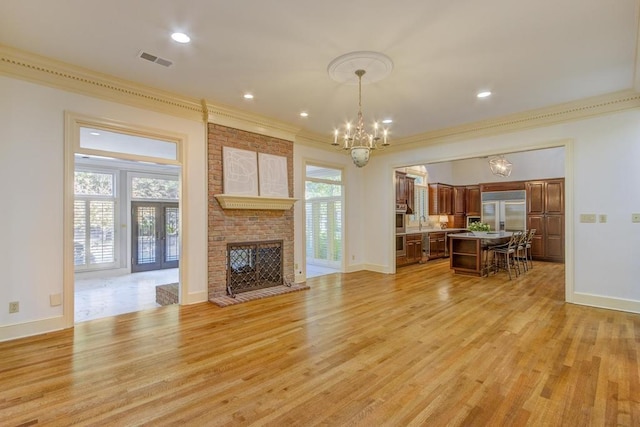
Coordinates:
422 347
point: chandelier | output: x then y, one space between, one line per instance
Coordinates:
500 166
356 139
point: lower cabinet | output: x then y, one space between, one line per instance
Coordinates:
437 245
414 248
548 242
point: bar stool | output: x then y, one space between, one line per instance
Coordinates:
521 251
504 256
527 247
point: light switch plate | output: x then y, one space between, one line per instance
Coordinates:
635 217
588 218
602 218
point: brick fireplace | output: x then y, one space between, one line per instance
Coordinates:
236 226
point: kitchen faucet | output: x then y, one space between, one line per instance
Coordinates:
422 217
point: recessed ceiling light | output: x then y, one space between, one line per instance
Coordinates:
94 133
387 121
304 114
181 37
484 94
248 96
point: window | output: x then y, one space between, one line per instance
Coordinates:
154 187
421 199
94 219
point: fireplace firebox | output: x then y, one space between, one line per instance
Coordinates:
253 265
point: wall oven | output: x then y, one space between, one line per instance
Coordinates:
401 225
401 245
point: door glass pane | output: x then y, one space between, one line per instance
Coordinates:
171 230
146 219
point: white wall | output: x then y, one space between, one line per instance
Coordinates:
602 177
31 185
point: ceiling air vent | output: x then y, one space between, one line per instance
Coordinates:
154 58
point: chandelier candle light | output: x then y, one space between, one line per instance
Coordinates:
358 140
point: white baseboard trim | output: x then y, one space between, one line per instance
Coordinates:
600 301
27 329
376 268
196 297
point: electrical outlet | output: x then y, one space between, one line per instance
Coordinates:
353 257
635 217
14 307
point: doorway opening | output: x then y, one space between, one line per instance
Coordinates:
126 222
324 245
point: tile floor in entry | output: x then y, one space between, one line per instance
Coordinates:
110 296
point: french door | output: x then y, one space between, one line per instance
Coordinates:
155 236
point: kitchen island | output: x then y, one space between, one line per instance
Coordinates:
467 250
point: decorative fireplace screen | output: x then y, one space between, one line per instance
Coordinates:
253 265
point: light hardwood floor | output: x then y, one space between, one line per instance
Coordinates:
422 347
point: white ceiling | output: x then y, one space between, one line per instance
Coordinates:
530 54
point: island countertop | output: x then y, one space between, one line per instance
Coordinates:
482 235
431 230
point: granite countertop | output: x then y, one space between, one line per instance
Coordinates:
484 234
432 230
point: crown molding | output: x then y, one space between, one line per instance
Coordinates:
561 113
39 69
249 122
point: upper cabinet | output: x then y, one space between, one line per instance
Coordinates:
410 184
473 203
405 190
545 197
440 199
459 200
401 188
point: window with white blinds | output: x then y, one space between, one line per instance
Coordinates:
94 220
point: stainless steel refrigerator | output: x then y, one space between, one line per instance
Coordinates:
505 210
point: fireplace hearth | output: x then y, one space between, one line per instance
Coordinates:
253 265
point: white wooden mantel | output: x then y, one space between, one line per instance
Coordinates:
230 201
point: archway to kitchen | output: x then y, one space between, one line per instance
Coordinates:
535 164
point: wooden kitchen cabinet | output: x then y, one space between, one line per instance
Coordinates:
440 202
459 200
409 191
401 187
473 203
405 187
545 213
414 248
437 245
